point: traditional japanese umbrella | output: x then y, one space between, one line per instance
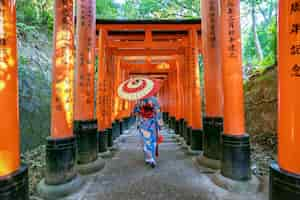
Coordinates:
138 88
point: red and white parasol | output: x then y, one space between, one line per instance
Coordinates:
138 88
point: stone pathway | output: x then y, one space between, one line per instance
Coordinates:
126 177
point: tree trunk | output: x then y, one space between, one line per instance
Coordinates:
258 48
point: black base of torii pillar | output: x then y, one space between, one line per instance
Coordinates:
197 140
110 141
102 141
15 185
121 123
181 127
61 177
213 128
87 144
116 129
283 185
235 157
172 123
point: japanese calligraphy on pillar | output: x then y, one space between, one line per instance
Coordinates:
103 99
86 28
63 69
189 83
102 93
117 82
294 37
109 92
232 32
211 57
212 18
234 121
194 66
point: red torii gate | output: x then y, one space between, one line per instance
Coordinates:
143 43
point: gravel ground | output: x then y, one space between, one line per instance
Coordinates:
263 151
35 160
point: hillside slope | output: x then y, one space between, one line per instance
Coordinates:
261 117
34 56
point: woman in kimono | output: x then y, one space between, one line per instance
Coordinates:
149 126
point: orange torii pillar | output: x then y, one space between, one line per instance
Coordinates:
196 134
181 74
179 116
122 107
161 100
285 176
175 105
109 113
169 100
117 81
85 125
13 175
175 99
213 120
102 93
119 103
172 99
61 174
186 96
116 99
122 104
235 159
166 100
188 76
127 108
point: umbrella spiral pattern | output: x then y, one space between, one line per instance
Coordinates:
137 88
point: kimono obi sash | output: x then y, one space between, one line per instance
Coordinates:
147 111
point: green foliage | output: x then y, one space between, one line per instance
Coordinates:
266 27
163 9
201 69
37 13
268 39
23 60
106 9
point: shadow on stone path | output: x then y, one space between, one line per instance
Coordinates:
126 177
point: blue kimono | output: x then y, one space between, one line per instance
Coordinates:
149 125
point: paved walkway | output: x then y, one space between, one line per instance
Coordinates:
126 177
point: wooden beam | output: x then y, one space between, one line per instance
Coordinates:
136 37
169 27
153 58
147 52
152 74
146 67
149 45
